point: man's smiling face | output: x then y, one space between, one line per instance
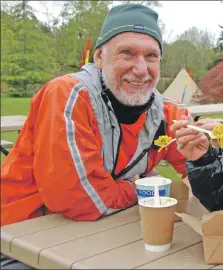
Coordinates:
130 64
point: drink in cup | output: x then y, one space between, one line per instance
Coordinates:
157 222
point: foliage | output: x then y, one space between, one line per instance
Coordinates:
194 49
146 3
211 85
27 55
198 37
220 40
82 20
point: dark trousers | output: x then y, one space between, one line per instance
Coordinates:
10 263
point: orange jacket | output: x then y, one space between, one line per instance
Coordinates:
39 175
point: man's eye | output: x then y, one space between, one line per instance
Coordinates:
151 55
127 52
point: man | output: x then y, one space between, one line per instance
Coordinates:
89 134
205 163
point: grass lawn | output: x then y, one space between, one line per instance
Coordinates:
13 106
20 106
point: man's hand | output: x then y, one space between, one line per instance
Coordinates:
194 144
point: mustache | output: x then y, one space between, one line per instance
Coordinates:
132 78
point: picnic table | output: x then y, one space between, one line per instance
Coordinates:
12 123
115 242
206 109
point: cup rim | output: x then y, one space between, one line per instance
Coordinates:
153 206
137 182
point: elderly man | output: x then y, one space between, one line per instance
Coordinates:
89 134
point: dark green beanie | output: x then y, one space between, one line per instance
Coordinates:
130 18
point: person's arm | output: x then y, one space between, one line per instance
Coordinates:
68 165
204 165
206 178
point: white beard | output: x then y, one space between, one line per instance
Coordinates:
135 99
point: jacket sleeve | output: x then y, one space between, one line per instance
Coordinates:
68 165
206 179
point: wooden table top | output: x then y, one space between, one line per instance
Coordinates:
12 122
115 242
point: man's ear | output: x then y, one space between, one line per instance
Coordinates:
98 58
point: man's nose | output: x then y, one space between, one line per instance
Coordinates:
140 68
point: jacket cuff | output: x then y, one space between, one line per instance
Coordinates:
207 158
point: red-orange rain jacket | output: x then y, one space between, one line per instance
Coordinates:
56 164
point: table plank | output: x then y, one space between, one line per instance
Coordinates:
12 122
206 109
73 251
134 254
189 258
12 231
30 245
6 144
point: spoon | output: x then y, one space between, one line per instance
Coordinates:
156 195
200 130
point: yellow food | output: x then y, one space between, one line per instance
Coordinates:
162 141
218 133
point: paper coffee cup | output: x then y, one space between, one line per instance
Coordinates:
157 223
145 186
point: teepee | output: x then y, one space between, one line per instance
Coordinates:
182 88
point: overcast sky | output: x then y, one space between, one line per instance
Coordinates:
177 16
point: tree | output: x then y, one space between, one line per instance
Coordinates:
81 20
146 3
198 37
193 49
27 54
220 40
211 85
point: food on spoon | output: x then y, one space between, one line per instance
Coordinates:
162 141
218 133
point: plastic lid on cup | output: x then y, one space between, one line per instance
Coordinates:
153 180
164 202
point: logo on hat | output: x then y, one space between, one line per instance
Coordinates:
139 26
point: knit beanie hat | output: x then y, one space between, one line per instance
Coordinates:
130 18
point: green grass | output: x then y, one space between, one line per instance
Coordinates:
13 106
20 106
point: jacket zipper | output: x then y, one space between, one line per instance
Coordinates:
118 148
115 176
